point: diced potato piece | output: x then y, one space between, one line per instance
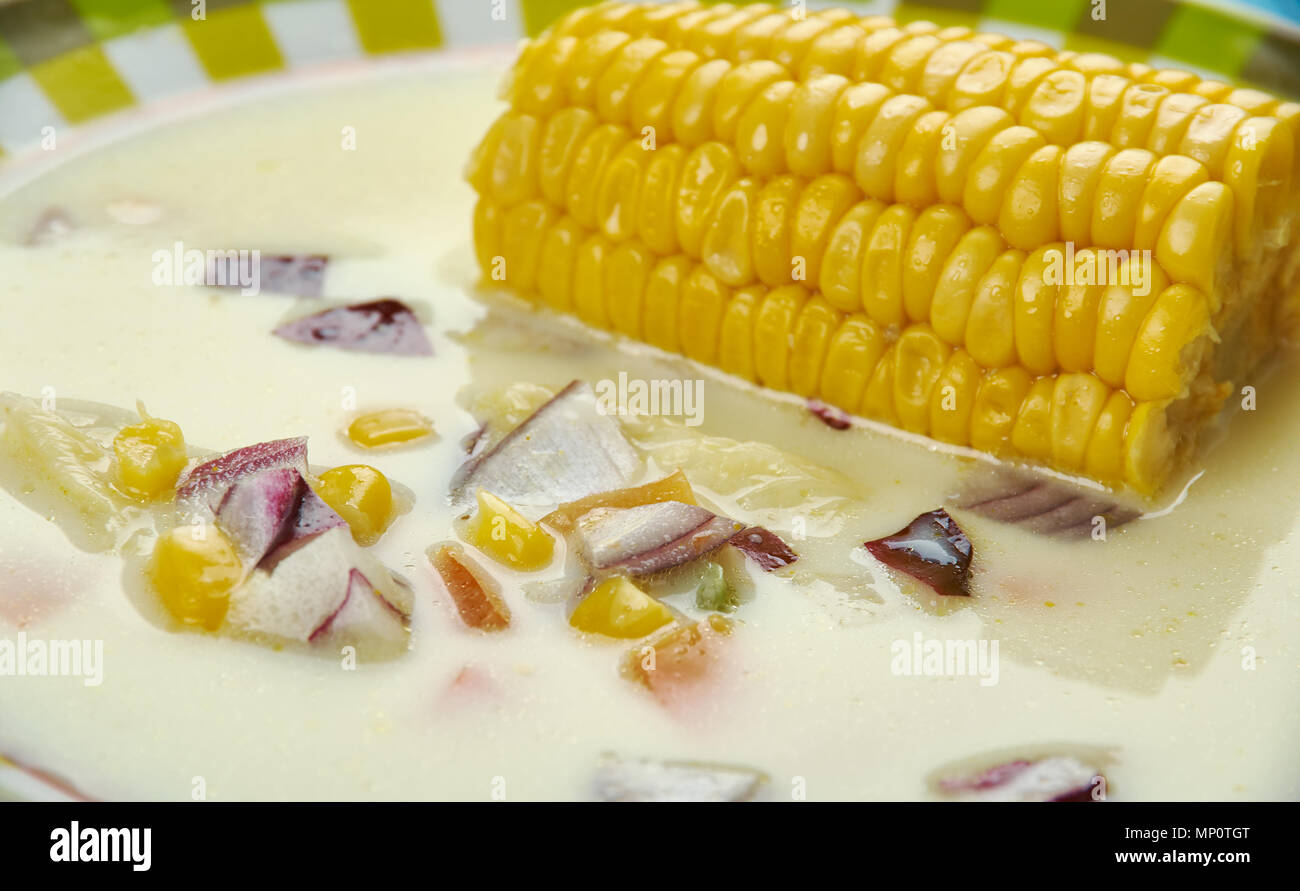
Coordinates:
674 487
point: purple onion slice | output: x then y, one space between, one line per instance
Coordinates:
932 549
257 510
380 326
835 418
626 779
764 547
1056 778
649 538
209 480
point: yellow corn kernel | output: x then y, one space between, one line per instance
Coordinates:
1215 91
1095 63
934 235
589 280
699 316
1170 179
1077 402
617 199
655 95
990 330
774 333
974 254
1037 291
626 270
1148 447
1173 80
583 186
487 235
914 173
944 67
1024 79
1074 328
563 136
1082 166
1162 365
149 456
1137 115
682 27
997 405
1104 458
656 222
1173 117
1105 100
1119 197
752 40
962 141
1195 234
817 322
478 169
855 109
982 81
993 170
1031 435
841 267
878 151
618 608
523 232
1030 214
736 340
953 401
362 496
832 52
194 569
555 268
854 350
539 88
1057 107
1209 136
707 173
739 89
692 114
1255 102
773 227
617 83
882 265
662 295
919 358
878 397
509 537
823 203
1257 169
726 246
873 53
906 62
1121 313
808 131
713 38
513 172
760 132
391 426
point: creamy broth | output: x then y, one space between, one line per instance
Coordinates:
1128 652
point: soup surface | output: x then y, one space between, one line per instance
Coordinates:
1164 654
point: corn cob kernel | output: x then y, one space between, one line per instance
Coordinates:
773 335
974 254
953 401
996 408
773 228
699 316
882 265
855 349
736 338
840 280
817 323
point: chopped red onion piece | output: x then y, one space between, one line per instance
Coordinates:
257 510
932 549
209 480
649 538
380 326
1046 507
622 779
835 418
300 276
1057 778
763 547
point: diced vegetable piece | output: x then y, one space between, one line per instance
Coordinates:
674 487
362 496
619 779
1042 506
835 418
150 457
764 547
476 594
1057 778
393 426
208 481
713 593
932 549
314 517
193 569
563 451
509 537
364 618
649 538
257 510
300 276
618 608
379 326
683 658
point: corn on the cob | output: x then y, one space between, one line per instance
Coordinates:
888 218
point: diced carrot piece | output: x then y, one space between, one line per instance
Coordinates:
680 659
674 487
476 594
